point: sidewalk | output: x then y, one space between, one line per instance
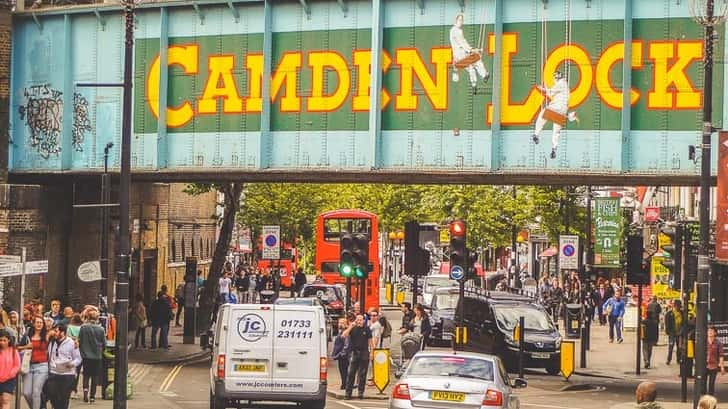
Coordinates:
179 352
618 360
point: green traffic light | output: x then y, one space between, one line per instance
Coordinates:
345 270
360 272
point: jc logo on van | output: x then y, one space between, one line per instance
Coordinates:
251 327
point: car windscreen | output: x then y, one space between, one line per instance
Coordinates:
451 366
446 300
508 316
326 294
431 283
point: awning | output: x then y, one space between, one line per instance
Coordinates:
549 252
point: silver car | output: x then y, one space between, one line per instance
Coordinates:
455 380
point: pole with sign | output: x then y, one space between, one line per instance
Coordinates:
568 252
271 243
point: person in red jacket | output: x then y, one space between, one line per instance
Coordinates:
9 367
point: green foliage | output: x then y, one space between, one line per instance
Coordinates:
490 211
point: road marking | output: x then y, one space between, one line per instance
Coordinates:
538 405
137 372
170 378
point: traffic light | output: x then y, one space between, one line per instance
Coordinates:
346 255
673 253
412 254
636 273
360 253
471 271
458 252
692 244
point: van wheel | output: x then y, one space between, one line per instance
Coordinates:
216 403
553 367
315 404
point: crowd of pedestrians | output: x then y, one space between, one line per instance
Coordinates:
51 351
246 284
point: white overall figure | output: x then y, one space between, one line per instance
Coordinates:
555 111
465 56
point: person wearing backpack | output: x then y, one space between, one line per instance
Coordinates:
386 338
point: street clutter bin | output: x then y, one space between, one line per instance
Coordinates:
572 317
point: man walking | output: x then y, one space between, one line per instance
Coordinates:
651 330
160 315
63 358
359 339
600 297
673 325
614 310
91 341
300 280
224 284
340 354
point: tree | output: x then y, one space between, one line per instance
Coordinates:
231 200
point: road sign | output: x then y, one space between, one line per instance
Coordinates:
16 269
9 259
568 252
271 242
380 368
567 358
90 271
652 213
457 273
444 236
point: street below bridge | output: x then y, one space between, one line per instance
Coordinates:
608 382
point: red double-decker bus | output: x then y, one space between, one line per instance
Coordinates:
329 226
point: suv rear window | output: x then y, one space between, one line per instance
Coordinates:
327 294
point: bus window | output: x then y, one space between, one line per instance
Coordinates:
332 230
329 267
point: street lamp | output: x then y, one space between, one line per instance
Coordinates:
122 260
707 13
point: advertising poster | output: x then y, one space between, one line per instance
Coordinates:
607 229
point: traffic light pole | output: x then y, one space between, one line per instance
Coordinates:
639 328
348 293
701 317
362 295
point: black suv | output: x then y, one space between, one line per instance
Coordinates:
332 299
442 312
491 318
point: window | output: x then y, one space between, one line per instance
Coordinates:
192 244
334 227
174 250
451 366
183 247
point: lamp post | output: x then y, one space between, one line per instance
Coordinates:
707 13
122 258
105 199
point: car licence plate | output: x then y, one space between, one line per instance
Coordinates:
540 355
249 368
447 396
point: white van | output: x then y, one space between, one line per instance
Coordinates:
269 352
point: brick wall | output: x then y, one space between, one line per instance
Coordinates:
5 45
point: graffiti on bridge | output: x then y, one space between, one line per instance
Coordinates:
81 121
43 115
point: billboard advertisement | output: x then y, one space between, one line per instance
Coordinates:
607 222
516 87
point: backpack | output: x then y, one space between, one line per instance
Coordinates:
386 327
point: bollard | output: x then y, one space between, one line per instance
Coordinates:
521 344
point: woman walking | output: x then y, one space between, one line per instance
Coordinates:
139 315
9 367
420 325
36 377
